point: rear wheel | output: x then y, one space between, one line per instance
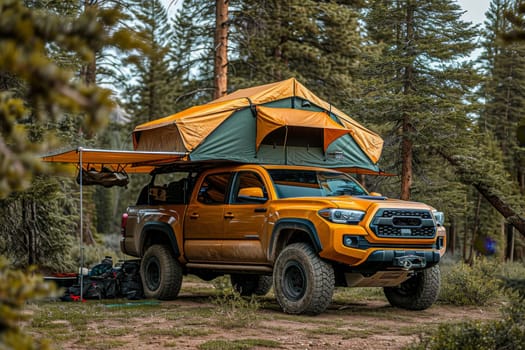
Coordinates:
161 273
418 292
303 282
248 285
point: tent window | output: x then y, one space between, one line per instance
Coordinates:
297 136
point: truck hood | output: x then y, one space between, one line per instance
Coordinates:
358 203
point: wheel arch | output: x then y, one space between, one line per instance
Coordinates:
288 231
158 233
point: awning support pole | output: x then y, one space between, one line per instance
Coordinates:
81 244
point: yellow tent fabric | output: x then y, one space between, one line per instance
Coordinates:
187 129
129 161
191 126
270 119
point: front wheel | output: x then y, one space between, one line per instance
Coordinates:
303 282
419 292
161 273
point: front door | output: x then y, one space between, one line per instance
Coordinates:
245 220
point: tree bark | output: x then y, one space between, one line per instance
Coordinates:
509 213
502 207
221 49
89 70
407 144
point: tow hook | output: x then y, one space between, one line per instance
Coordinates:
410 262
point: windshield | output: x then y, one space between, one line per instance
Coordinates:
313 183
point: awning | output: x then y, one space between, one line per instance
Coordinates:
128 161
270 119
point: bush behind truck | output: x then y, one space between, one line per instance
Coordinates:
302 230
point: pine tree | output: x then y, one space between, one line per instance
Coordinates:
504 88
418 84
193 52
150 94
317 42
503 91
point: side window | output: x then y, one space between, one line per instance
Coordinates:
213 189
249 188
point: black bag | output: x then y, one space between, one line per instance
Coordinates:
129 280
91 289
105 177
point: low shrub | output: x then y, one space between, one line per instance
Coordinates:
233 309
475 284
16 288
507 333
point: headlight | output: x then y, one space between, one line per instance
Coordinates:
342 216
439 216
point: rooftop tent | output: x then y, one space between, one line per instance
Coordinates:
278 123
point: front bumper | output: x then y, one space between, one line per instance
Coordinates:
404 259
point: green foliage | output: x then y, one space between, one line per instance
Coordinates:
317 42
39 225
16 288
44 90
507 333
150 93
474 284
233 309
417 87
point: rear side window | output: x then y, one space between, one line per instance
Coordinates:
214 188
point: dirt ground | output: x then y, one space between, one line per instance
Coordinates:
194 321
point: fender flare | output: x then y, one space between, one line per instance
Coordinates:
166 230
291 223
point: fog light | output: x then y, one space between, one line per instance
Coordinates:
440 242
350 241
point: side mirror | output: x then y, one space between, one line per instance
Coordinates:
251 194
256 192
376 194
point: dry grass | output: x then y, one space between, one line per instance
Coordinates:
205 318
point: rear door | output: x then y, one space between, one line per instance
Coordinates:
204 223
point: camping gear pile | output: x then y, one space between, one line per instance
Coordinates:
104 281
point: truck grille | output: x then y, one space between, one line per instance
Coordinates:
406 223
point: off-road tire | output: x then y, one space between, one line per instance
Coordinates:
418 292
161 273
247 285
303 282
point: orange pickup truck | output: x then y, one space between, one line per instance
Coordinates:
302 230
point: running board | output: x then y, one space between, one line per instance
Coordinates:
229 268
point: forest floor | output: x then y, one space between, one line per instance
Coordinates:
202 318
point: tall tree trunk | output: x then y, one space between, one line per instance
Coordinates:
89 70
451 244
475 231
407 144
221 49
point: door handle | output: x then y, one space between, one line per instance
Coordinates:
229 216
194 216
260 210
